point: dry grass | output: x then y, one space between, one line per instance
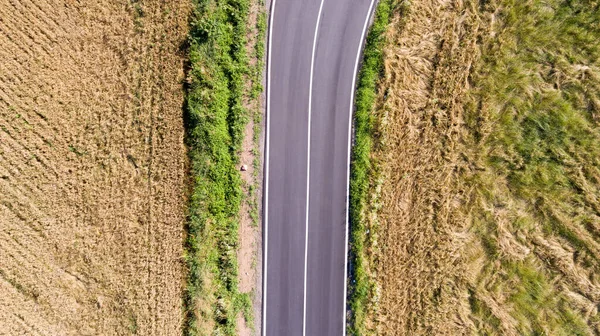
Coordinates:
422 196
488 222
92 167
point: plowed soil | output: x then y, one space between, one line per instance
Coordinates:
92 167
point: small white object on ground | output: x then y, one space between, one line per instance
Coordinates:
244 168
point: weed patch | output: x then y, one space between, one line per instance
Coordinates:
215 120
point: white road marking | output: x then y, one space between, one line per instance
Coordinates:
360 45
266 165
312 68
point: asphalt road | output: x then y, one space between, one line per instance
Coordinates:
314 48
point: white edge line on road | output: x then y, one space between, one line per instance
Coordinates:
312 68
266 167
358 53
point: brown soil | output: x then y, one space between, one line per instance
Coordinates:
248 254
249 233
92 167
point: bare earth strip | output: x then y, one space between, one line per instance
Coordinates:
249 249
92 167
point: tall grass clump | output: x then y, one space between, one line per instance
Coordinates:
361 167
215 119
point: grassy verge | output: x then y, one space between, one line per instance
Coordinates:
215 119
362 170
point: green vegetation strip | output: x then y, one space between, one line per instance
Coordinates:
215 119
361 167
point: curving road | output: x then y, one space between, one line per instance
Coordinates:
314 49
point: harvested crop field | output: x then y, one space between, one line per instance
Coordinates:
482 210
92 167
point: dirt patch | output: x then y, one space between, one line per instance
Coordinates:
92 167
249 249
250 242
249 232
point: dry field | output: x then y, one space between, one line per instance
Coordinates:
92 167
420 223
485 213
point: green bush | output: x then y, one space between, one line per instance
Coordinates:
215 119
